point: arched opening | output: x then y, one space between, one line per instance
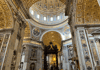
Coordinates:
52 47
32 66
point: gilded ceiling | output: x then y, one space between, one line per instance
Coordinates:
6 18
87 12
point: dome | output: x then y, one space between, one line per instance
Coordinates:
48 12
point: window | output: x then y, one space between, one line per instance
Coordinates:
61 15
51 19
58 17
44 18
70 35
32 12
38 16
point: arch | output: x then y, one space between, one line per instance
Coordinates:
54 37
6 17
51 30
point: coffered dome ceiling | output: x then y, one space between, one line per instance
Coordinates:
48 12
28 3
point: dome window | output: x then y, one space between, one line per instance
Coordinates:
45 18
51 19
58 17
38 16
32 12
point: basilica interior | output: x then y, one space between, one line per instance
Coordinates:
49 34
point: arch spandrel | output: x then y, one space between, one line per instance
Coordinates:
6 18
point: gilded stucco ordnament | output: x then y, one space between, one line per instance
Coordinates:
87 12
54 37
6 18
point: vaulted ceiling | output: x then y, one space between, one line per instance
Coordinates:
6 18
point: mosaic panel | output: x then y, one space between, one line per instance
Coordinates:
36 32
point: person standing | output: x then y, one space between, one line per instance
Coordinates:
51 67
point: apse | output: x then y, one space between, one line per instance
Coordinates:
54 37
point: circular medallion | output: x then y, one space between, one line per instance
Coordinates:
36 32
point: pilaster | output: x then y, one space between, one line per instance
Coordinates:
84 54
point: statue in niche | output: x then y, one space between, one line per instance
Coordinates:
70 52
24 50
32 66
7 36
13 60
72 64
33 53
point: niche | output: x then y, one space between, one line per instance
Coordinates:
32 66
